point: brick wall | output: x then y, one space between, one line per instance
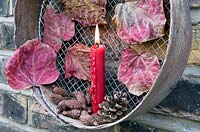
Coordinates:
180 111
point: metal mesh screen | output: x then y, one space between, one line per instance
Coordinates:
114 45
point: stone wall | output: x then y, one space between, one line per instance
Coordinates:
180 111
6 24
194 58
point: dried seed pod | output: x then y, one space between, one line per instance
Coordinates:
59 90
87 119
80 97
56 98
72 104
75 113
88 98
61 109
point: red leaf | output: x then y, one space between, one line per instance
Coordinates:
86 12
138 72
33 64
140 21
57 27
77 62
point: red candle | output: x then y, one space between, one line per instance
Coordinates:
97 73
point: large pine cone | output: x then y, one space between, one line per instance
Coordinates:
113 107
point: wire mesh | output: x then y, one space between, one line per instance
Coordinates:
114 46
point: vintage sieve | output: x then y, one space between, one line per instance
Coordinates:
172 50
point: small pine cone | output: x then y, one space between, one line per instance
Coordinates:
75 113
59 90
71 104
80 97
87 119
88 98
56 98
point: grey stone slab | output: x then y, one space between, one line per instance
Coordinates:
40 120
60 128
195 16
38 116
193 71
128 126
4 7
69 128
6 36
196 31
6 53
3 60
192 74
184 97
9 19
1 104
169 123
7 7
7 128
194 1
15 107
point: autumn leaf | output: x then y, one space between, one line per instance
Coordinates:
77 62
138 71
57 27
33 64
139 21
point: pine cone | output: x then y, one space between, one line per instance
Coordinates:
59 90
113 107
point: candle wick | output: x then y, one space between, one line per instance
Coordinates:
97 44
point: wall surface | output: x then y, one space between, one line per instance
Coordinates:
180 111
